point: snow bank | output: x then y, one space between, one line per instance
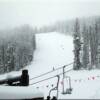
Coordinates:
8 92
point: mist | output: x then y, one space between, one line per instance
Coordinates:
44 12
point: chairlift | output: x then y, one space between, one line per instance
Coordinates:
69 89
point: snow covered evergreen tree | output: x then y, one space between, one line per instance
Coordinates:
77 46
85 51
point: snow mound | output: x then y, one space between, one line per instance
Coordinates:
8 92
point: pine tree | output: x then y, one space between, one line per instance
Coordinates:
85 57
77 46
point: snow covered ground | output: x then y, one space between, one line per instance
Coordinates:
56 50
53 50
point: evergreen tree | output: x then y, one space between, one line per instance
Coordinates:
77 46
85 57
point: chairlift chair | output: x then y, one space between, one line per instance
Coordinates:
69 89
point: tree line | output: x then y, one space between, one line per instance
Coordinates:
88 33
16 48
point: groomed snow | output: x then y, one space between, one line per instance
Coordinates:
55 50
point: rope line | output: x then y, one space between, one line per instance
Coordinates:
50 71
50 77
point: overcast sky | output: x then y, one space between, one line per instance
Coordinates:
43 12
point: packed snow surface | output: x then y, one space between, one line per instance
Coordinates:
55 50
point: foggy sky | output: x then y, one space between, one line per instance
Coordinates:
43 12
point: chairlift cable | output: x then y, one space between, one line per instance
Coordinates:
50 71
50 77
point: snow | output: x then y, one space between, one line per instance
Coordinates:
56 50
50 52
85 84
8 92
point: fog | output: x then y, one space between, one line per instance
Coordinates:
44 12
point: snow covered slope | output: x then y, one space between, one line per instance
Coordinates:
53 50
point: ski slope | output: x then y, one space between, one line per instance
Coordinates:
55 50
